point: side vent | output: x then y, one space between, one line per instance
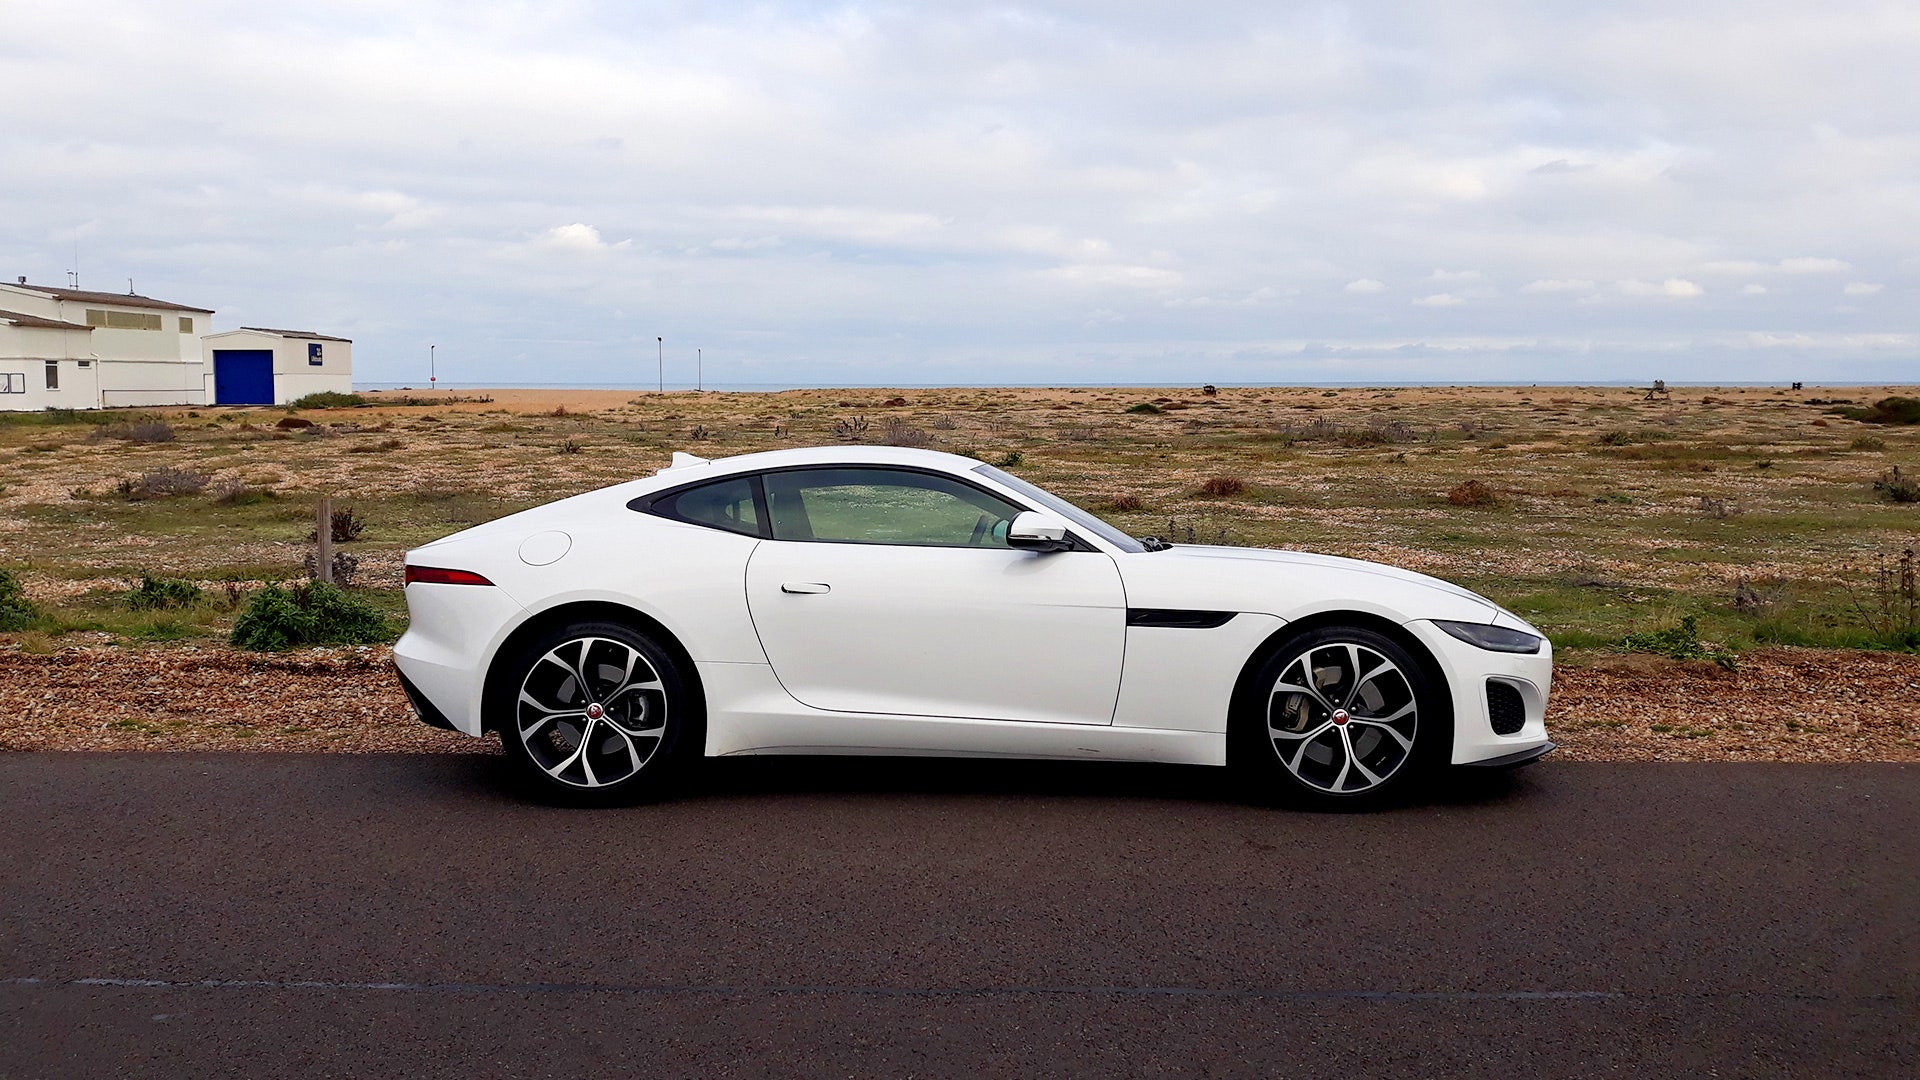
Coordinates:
1505 708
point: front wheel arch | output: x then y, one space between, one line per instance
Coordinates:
598 611
1246 691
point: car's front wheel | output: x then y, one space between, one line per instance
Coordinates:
1341 716
592 713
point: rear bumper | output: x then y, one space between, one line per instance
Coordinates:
1467 669
450 639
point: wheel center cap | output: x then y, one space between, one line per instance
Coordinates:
1340 717
594 711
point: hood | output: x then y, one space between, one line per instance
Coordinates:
1202 553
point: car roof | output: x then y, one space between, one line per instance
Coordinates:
843 454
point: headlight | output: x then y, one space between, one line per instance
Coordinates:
1492 638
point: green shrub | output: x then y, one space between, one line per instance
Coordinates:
15 612
315 613
1010 459
1888 410
156 594
1898 486
328 399
1147 407
1678 642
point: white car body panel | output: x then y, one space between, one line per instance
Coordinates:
1181 679
933 650
758 716
938 631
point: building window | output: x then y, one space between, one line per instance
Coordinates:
13 382
85 363
53 374
186 325
123 320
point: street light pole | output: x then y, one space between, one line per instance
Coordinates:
660 347
433 371
699 371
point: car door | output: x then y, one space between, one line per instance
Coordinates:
894 591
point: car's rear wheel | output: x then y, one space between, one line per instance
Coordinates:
592 713
1341 716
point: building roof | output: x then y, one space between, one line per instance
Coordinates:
84 296
305 334
18 319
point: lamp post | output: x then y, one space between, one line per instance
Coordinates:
433 373
699 371
660 348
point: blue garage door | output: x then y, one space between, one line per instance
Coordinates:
242 377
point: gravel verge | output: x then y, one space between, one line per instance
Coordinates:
1780 705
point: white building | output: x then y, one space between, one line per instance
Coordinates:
71 348
258 366
74 349
46 364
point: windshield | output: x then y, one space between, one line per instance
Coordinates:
1064 508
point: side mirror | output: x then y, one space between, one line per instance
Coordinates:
1033 530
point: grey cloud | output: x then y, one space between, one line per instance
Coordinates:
956 192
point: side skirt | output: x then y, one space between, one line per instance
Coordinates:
748 712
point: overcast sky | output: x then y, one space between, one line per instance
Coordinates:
1075 192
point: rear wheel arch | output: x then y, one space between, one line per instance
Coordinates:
587 611
1246 689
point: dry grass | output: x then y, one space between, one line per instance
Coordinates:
1594 484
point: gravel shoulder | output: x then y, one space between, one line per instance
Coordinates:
1782 704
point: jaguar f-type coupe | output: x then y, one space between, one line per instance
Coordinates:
883 600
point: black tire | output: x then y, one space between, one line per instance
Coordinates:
603 743
1339 745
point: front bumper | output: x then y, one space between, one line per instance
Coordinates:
1468 669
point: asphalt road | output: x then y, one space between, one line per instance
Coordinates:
262 915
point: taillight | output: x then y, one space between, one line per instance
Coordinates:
434 575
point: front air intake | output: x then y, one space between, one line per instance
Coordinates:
1505 708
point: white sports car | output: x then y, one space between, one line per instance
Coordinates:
880 600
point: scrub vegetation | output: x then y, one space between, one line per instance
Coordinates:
1762 516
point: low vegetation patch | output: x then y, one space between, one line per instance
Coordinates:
1680 641
315 613
1888 410
1146 408
347 526
1898 486
163 594
144 431
161 483
328 399
1223 487
234 491
15 612
1472 493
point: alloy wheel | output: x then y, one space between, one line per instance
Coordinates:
1342 717
592 712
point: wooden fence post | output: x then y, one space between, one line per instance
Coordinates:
323 535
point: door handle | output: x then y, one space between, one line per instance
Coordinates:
805 587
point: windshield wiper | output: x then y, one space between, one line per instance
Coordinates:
1153 543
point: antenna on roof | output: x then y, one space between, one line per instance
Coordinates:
130 287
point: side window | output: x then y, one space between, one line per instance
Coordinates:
884 506
725 504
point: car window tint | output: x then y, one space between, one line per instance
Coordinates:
884 506
726 504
